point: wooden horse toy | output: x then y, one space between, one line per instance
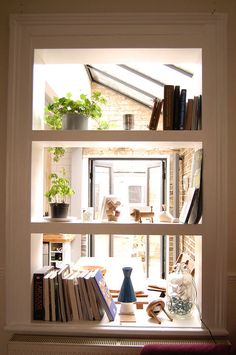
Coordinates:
138 215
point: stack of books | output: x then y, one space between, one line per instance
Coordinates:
62 294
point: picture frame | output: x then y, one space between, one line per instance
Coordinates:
188 204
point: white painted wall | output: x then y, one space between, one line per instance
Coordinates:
59 6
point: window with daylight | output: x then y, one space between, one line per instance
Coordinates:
122 149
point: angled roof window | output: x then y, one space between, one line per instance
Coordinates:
144 81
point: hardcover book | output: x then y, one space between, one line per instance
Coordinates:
95 303
155 116
182 108
104 294
78 298
47 296
168 107
176 107
53 291
62 272
38 292
82 294
189 115
72 282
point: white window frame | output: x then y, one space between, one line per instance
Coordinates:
122 31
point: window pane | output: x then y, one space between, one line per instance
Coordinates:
101 245
135 194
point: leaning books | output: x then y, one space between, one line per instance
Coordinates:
104 294
155 116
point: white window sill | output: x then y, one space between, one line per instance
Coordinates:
143 325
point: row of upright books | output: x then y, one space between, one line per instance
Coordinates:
62 294
179 113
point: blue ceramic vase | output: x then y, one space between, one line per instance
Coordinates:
127 294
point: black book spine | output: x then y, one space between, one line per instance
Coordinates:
38 312
176 107
182 108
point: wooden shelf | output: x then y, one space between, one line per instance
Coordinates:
73 138
78 227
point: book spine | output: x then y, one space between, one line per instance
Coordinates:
168 107
78 300
52 299
57 301
195 113
176 107
199 121
38 304
156 112
151 125
38 292
86 298
46 298
189 114
182 108
61 299
72 298
67 303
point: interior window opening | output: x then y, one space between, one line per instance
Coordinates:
147 181
139 183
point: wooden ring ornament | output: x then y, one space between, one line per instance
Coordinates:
154 308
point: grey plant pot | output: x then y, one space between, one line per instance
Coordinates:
74 121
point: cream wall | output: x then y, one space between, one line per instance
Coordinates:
71 6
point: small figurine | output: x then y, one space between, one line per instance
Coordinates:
111 210
138 215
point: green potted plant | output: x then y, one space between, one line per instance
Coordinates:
57 153
66 113
58 192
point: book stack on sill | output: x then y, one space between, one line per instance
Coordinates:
62 294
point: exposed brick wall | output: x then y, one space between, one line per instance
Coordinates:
118 105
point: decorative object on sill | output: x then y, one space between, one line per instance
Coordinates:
181 291
127 295
154 308
110 208
128 122
166 217
138 215
87 215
